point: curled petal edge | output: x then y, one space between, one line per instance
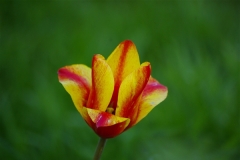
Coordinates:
153 94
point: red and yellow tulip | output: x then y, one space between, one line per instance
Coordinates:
116 93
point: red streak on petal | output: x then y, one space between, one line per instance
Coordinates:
93 94
126 45
66 74
152 86
129 108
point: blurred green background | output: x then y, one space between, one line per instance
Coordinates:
194 49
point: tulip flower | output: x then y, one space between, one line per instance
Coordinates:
116 93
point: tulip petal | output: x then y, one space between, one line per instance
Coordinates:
152 95
86 117
76 79
123 61
102 84
130 90
107 125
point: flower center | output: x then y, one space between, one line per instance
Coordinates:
110 110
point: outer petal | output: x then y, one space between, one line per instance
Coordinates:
130 90
76 79
123 61
107 125
102 84
153 94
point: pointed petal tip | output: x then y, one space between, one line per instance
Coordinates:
127 42
146 68
64 73
154 85
61 72
164 89
98 56
146 64
127 46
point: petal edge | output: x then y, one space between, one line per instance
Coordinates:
153 94
76 79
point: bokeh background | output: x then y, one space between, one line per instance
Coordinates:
194 49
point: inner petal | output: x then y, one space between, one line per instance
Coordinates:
130 89
102 84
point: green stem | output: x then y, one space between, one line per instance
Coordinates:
99 148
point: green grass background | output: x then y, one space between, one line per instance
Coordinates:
193 47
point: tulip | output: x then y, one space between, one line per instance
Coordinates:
116 93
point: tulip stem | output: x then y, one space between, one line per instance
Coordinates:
99 149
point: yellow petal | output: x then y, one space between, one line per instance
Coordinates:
102 84
107 125
123 60
130 90
86 117
76 79
152 95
